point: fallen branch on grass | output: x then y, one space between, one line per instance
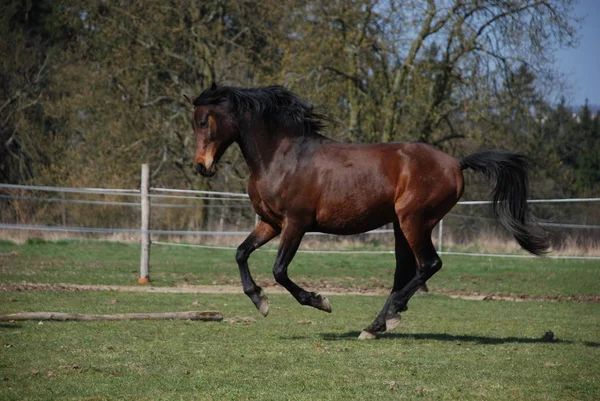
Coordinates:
82 317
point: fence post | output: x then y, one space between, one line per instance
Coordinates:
440 233
145 236
63 208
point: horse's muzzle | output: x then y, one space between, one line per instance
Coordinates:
205 172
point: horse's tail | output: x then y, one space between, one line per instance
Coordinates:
508 172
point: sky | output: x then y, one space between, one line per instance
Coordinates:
582 64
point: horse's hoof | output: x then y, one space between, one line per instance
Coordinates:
365 335
263 306
325 304
392 323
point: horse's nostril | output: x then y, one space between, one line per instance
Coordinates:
200 168
204 171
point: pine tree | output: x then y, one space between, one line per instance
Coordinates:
588 161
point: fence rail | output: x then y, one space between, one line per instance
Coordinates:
219 195
100 191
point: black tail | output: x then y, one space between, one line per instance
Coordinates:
508 171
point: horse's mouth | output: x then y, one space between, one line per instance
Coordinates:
205 172
209 173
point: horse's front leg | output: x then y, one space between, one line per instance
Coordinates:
262 233
290 241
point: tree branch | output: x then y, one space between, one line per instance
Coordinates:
157 101
355 80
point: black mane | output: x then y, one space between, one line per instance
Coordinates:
274 104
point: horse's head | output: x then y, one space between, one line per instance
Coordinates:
214 130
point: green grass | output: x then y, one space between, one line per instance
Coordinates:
446 349
95 262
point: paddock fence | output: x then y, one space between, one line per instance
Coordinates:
221 220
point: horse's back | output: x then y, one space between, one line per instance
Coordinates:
362 187
404 165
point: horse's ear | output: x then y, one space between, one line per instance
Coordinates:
213 87
189 99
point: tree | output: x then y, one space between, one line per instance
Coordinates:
414 70
122 85
29 44
588 158
482 44
103 81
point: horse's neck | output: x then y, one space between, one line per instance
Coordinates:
261 148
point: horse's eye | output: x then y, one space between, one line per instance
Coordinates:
203 123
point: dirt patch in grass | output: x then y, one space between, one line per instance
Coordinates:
593 298
277 289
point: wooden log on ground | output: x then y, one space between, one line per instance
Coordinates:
83 317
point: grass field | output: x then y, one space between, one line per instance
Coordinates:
445 349
89 262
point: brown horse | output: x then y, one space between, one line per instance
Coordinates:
301 181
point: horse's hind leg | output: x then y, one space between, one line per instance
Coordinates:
290 241
417 231
406 267
261 234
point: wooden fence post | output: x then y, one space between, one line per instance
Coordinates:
145 236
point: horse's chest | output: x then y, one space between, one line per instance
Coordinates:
267 203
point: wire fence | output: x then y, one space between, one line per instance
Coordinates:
220 220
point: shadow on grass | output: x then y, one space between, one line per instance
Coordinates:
9 326
453 338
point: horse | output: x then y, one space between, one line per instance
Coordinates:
301 181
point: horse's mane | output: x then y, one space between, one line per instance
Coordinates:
274 104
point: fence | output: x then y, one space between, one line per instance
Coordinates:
220 220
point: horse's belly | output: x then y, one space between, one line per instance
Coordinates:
348 218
